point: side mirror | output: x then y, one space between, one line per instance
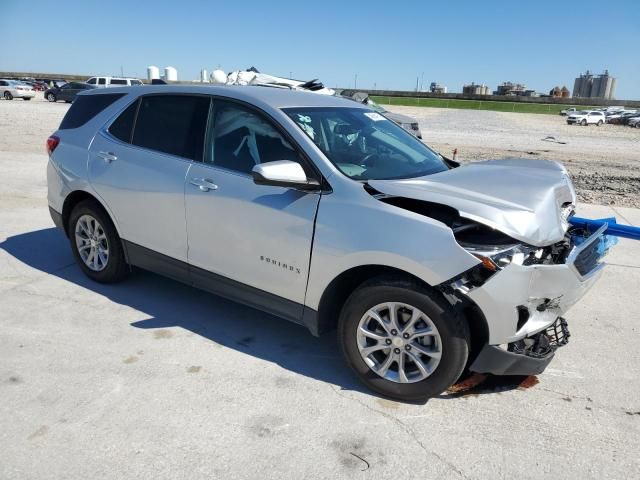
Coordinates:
283 173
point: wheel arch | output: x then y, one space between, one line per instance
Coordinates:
77 196
340 288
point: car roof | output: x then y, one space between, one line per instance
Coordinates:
272 96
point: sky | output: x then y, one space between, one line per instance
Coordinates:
387 45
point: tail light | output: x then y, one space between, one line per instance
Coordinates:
52 143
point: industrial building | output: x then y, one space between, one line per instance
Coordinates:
437 88
170 73
588 85
510 88
558 92
474 89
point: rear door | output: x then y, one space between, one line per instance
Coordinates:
259 236
138 165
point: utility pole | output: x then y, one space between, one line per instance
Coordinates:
121 71
421 79
355 82
417 79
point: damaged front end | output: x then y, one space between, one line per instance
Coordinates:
533 265
523 291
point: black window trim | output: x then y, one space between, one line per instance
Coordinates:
105 129
325 186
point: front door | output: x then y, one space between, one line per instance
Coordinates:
255 235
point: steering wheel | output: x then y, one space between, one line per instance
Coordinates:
370 160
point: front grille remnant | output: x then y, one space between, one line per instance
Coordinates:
588 258
545 343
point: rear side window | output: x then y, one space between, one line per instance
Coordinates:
102 81
85 107
117 81
173 124
122 127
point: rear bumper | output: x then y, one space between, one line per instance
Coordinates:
57 218
24 94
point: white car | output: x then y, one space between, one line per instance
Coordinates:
587 117
10 89
103 82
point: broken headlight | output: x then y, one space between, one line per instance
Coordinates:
500 257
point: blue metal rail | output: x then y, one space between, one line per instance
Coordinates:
613 228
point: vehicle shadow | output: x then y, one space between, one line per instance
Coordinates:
168 303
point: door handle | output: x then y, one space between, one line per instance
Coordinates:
204 184
107 156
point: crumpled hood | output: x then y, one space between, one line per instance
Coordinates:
521 198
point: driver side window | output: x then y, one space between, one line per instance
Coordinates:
241 139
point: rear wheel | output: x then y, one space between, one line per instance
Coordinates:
8 96
402 340
599 123
26 98
95 243
51 97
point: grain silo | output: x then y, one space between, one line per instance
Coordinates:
153 72
170 74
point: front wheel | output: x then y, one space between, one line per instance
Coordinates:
583 123
96 244
599 123
402 340
26 98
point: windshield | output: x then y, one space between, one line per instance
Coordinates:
364 145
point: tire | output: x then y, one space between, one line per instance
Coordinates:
583 123
451 339
51 97
114 268
8 96
67 101
599 124
26 98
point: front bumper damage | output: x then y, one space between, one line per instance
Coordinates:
528 356
524 304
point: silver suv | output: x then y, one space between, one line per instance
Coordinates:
324 212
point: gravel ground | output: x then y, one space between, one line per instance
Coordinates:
152 379
603 161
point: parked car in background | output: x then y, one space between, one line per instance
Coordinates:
10 89
568 111
634 122
328 214
622 118
66 92
104 82
588 117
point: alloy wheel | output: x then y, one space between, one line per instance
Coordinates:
92 243
399 342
